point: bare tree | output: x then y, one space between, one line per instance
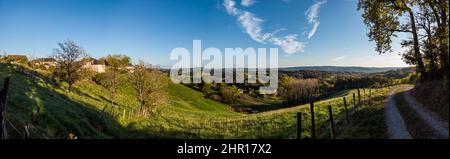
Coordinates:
149 85
69 62
297 91
116 65
110 81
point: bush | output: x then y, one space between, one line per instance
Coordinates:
99 78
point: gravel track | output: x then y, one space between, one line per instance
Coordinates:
395 124
433 120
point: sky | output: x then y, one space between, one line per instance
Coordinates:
307 32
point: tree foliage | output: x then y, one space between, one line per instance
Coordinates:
425 21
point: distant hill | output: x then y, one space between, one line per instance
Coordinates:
341 69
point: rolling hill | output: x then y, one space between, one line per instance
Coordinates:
341 69
52 112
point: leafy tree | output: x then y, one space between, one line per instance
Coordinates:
427 23
117 61
383 19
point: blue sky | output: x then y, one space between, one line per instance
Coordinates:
307 32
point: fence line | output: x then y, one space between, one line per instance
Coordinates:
3 106
356 105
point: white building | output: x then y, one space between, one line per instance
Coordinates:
94 65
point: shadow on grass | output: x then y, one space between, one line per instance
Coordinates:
49 114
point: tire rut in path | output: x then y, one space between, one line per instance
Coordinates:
433 120
395 124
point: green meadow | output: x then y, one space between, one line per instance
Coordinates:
45 110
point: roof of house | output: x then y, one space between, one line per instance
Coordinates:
44 60
93 60
17 57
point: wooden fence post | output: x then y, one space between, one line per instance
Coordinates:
313 126
364 94
330 114
354 100
346 111
3 105
161 130
359 97
299 125
27 133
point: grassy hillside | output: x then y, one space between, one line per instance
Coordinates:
50 114
54 113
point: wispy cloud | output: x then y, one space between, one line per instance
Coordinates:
230 6
247 3
289 44
252 26
312 15
339 58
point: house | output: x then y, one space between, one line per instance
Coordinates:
17 59
130 68
45 62
94 65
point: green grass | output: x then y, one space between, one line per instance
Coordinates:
49 113
188 114
366 122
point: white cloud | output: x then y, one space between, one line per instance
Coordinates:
289 44
252 26
312 16
339 58
247 3
230 7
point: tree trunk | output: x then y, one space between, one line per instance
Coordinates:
439 12
112 102
420 65
430 53
443 45
70 88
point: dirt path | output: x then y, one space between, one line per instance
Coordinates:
439 125
395 124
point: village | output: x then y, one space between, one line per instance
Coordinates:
49 63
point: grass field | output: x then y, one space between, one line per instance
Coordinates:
52 112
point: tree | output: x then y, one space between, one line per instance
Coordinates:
69 62
439 11
110 81
207 88
297 91
117 61
115 64
383 20
149 85
228 93
427 23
